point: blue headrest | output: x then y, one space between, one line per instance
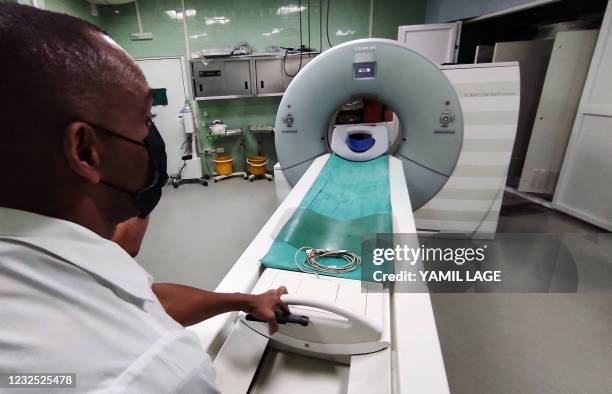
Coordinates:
360 142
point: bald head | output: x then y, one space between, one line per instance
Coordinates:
60 75
60 69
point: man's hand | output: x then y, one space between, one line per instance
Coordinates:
265 306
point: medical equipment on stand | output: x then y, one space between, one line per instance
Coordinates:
191 169
257 168
362 336
257 165
223 163
218 127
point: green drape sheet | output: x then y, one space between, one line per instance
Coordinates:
347 201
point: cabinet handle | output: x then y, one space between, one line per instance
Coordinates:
246 85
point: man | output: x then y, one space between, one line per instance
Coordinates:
79 154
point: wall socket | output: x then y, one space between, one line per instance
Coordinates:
142 36
208 151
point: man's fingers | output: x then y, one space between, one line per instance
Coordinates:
280 304
272 325
284 307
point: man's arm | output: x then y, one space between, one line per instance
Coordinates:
189 305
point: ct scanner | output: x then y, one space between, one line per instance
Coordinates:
359 337
422 97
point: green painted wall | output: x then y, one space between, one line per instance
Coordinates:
120 21
389 14
78 8
261 23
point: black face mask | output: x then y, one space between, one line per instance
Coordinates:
146 199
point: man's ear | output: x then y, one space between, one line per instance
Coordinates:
82 150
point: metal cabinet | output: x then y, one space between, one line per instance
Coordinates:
533 56
269 78
222 77
563 85
245 76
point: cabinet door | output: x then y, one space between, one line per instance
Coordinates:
584 187
269 76
567 71
533 57
439 42
220 78
238 77
207 78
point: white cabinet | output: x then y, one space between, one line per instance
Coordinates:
439 42
533 57
567 71
585 183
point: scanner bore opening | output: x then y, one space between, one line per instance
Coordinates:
367 110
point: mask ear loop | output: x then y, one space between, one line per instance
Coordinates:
120 136
132 141
119 188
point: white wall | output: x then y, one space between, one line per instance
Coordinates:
452 10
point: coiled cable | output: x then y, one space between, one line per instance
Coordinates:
311 262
